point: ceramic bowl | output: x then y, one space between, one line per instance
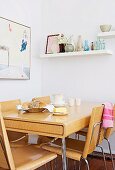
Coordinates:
105 28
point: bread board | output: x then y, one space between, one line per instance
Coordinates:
35 110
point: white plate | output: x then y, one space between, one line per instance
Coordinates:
59 113
59 105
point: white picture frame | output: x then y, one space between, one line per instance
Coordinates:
15 49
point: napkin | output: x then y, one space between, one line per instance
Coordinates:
108 118
49 107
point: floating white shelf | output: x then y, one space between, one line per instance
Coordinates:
109 34
80 53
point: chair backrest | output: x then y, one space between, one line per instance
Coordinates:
6 158
93 131
10 105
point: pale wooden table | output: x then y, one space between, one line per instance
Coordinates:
49 125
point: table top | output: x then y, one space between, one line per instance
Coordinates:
74 113
51 125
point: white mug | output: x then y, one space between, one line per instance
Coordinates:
58 99
78 101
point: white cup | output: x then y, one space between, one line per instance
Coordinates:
78 101
58 99
71 101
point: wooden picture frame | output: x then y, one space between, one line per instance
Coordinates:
52 45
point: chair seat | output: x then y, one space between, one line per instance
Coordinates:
74 148
20 143
29 157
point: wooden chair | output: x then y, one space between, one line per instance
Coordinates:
104 135
21 158
76 149
18 137
8 107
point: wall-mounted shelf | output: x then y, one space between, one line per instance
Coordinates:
80 53
109 34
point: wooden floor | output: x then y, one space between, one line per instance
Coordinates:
94 163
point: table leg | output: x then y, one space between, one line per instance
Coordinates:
64 154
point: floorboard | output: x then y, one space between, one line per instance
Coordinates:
95 163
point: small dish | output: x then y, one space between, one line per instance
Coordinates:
60 114
58 105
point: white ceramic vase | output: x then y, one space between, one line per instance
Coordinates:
79 46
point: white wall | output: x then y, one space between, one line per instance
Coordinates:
90 78
27 13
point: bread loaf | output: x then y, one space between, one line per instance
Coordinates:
35 103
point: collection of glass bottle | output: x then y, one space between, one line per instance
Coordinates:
99 44
70 46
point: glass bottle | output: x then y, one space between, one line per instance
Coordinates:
86 46
100 45
92 46
103 45
61 48
97 44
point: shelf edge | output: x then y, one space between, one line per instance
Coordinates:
70 54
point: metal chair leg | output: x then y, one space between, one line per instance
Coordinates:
76 136
103 156
113 165
85 162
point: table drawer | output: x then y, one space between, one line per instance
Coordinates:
35 127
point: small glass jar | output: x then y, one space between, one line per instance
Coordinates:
69 48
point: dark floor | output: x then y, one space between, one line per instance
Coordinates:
95 163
